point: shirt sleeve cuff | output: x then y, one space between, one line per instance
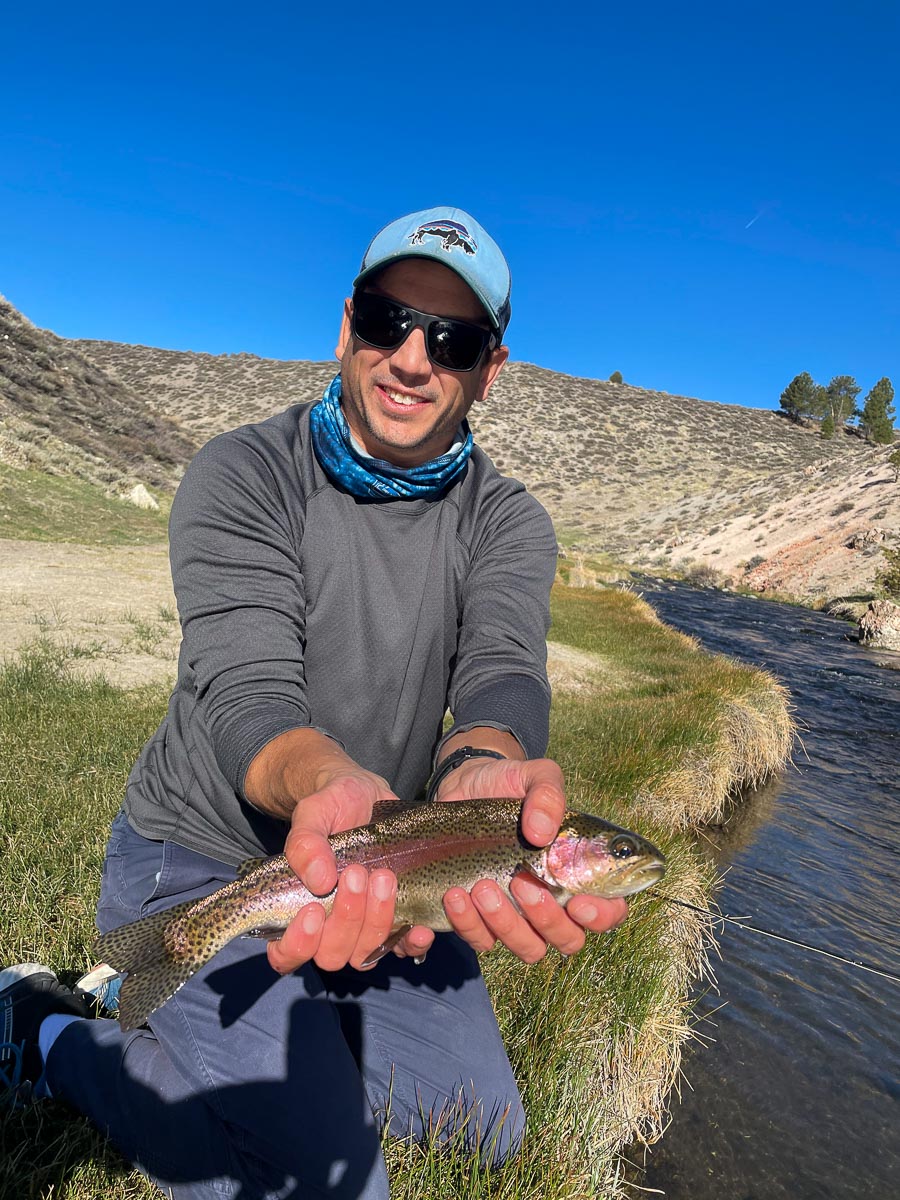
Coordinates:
516 704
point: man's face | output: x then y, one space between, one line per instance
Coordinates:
398 404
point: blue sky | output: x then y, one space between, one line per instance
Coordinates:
705 197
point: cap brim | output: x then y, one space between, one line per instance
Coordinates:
375 268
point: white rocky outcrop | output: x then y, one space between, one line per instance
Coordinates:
879 626
141 498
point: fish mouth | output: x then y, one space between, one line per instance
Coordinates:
638 877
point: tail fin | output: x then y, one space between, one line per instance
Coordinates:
154 972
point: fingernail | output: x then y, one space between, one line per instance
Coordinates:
311 921
317 875
528 892
356 880
587 912
456 904
489 900
382 887
542 824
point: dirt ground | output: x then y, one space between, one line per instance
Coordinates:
807 543
113 610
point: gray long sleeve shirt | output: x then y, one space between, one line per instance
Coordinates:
302 605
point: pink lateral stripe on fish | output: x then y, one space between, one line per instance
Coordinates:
430 847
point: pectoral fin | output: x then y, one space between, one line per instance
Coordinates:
270 933
387 945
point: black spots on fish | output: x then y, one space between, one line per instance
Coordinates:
249 865
144 990
158 955
127 947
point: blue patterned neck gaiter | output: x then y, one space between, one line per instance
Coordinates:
372 478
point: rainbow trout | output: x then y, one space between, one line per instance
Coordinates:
430 847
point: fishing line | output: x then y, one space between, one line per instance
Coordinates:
741 924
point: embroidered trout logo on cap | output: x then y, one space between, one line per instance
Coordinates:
451 233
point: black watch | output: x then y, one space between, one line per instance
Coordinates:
452 761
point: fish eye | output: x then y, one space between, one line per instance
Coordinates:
623 847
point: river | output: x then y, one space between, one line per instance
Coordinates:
796 1095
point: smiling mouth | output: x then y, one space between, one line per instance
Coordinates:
402 399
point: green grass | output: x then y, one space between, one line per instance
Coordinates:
595 1040
38 507
681 729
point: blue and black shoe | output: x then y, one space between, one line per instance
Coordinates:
29 992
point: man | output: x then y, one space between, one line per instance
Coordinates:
345 572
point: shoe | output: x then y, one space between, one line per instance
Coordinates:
29 992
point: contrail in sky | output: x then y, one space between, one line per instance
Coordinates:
762 212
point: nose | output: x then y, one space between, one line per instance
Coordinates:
410 359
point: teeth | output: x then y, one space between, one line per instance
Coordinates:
398 398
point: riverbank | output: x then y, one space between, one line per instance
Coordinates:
644 725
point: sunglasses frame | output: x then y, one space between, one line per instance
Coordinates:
424 321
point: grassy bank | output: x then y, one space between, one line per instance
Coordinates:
38 507
595 1041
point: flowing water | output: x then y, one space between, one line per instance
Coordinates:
796 1097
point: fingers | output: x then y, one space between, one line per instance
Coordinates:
545 800
467 921
487 916
416 944
312 858
597 914
506 924
548 919
379 916
299 942
360 920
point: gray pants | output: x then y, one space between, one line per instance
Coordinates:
255 1086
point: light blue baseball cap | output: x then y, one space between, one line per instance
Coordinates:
452 237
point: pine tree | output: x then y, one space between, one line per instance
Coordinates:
820 406
842 393
827 427
799 397
616 377
878 413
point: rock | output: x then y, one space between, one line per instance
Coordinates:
866 537
879 626
141 497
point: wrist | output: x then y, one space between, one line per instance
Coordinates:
291 766
453 760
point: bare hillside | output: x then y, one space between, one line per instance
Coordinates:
657 478
61 412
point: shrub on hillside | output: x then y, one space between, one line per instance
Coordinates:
887 577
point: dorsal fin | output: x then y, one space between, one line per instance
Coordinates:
383 809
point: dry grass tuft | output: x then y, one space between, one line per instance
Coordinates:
753 739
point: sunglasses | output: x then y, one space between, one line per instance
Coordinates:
386 324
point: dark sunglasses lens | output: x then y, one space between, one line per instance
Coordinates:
380 322
454 345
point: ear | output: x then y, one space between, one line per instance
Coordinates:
346 332
491 370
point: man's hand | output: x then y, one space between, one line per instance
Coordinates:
362 915
486 915
305 777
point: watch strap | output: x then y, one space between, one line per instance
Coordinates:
452 761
